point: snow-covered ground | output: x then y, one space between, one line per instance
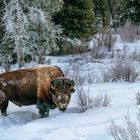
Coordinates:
24 123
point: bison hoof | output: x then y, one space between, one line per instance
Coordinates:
4 114
43 115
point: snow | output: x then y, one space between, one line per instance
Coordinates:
24 123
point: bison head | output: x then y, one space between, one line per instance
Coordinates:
62 88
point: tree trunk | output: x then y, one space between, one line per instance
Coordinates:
18 43
112 14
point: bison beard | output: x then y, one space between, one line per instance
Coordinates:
45 86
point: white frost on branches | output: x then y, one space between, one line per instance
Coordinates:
15 22
44 34
32 32
36 16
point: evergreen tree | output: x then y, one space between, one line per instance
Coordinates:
102 13
132 12
118 7
109 12
77 18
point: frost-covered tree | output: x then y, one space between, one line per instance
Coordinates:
16 24
44 34
5 52
29 28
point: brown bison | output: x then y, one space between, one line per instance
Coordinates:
45 86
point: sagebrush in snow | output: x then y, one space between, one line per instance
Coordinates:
122 70
85 101
129 130
98 53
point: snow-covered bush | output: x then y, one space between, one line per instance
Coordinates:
128 131
121 70
85 101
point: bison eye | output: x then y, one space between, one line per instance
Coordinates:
53 93
72 90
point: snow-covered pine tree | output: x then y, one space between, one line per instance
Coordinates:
43 33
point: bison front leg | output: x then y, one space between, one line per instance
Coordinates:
43 108
3 103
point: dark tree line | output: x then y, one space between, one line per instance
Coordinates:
69 19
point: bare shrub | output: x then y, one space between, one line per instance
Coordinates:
81 79
105 38
98 53
78 78
138 98
77 75
128 131
129 33
85 101
125 54
122 70
74 73
92 78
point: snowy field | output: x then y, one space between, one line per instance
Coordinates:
24 123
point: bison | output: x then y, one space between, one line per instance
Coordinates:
45 86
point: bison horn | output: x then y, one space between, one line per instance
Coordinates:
72 83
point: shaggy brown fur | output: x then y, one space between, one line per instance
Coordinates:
25 86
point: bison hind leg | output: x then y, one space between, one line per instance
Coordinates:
3 103
4 107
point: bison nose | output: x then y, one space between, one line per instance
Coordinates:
62 109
